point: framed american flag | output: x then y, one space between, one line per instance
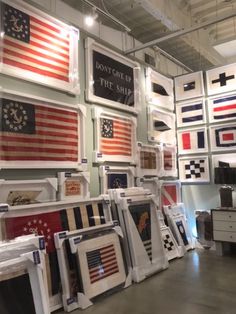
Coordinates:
194 169
170 192
38 133
159 89
38 48
191 141
190 113
115 136
111 78
223 137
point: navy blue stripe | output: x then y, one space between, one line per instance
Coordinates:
101 213
225 116
191 108
218 101
217 134
200 140
90 215
78 218
191 119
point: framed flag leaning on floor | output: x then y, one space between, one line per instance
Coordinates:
222 109
37 47
190 113
38 133
194 169
192 141
170 192
223 137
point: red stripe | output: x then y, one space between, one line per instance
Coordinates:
55 126
47 41
94 273
35 44
55 118
33 69
106 275
58 36
228 137
49 26
37 158
38 149
57 134
117 133
186 141
111 142
227 107
59 111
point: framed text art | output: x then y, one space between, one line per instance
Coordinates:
223 137
192 141
194 169
37 47
190 113
112 79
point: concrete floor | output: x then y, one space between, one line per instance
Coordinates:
198 283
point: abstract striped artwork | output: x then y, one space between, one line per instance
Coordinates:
222 109
190 113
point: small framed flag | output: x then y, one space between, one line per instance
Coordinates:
192 141
222 109
194 169
223 137
38 48
111 78
159 89
221 80
161 126
169 161
170 192
189 86
190 113
116 177
115 136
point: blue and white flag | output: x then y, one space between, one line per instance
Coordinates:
223 137
190 113
223 108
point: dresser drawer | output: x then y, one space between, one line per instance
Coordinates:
224 236
224 215
224 225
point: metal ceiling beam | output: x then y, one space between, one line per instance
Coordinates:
181 33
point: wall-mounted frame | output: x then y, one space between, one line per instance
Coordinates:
223 137
116 177
189 86
73 186
25 192
111 78
159 89
161 126
190 113
194 169
39 48
225 161
170 192
191 141
222 108
169 161
115 136
39 133
221 79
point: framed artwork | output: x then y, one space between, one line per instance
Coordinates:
190 113
38 133
189 86
25 192
161 126
115 136
170 192
116 177
169 161
111 79
149 160
223 137
221 79
191 141
159 89
73 186
194 169
222 109
39 48
225 161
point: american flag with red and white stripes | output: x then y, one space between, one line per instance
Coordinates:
30 132
102 263
35 44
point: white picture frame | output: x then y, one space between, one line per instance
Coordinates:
194 169
115 136
111 78
229 159
153 185
169 153
223 137
170 192
191 141
57 68
190 113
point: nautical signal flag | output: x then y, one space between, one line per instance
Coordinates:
222 109
223 137
189 86
190 113
195 169
192 141
170 193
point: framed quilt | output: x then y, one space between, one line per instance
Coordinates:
221 80
159 89
116 177
115 136
223 137
169 161
73 186
189 86
190 113
37 47
170 192
191 141
194 169
25 192
161 126
222 109
111 78
38 133
149 160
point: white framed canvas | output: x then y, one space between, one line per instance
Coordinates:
161 126
115 136
149 160
39 133
169 161
189 86
159 89
170 192
194 169
39 48
25 192
116 177
190 113
222 108
226 162
191 141
223 137
221 79
73 186
111 78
